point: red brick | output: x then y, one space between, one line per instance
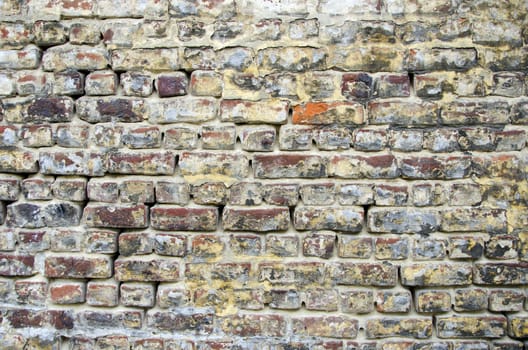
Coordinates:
147 270
145 163
322 113
58 319
102 293
78 266
116 216
275 166
67 292
184 219
16 265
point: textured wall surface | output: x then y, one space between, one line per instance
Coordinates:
263 174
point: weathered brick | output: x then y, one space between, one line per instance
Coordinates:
67 292
354 247
137 84
470 299
259 219
258 138
419 328
240 111
473 219
393 301
296 137
471 327
326 326
78 266
101 83
351 166
392 85
357 301
506 300
173 192
31 292
218 137
373 58
100 241
183 109
84 33
38 109
57 319
300 273
102 293
245 193
72 136
496 33
294 59
181 138
206 83
210 193
67 56
135 243
437 274
102 190
402 220
144 163
37 189
136 191
475 112
46 214
465 247
148 59
15 34
137 294
365 274
433 301
501 274
33 83
252 325
387 195
403 113
12 265
146 270
116 216
458 59
170 218
25 58
197 321
328 218
111 109
517 326
206 246
114 320
323 113
72 163
391 248
37 135
18 161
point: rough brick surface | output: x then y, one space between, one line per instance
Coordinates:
280 174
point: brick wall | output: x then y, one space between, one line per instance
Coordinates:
248 174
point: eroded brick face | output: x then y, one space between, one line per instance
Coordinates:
247 174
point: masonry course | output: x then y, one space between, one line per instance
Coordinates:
243 174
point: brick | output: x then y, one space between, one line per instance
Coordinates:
317 194
437 274
319 245
209 193
500 274
67 292
254 325
471 327
190 29
65 240
63 57
319 299
496 34
25 58
296 137
49 33
218 137
72 136
441 140
38 109
245 245
102 190
110 320
406 140
426 194
172 192
441 59
84 33
33 241
517 326
76 266
471 299
183 109
365 274
197 321
37 136
101 83
511 140
473 219
258 138
392 85
373 58
47 214
506 300
301 29
144 163
284 299
31 292
476 139
8 239
356 166
172 84
12 265
181 138
170 244
508 84
260 220
15 34
390 195
147 59
245 193
354 247
419 328
206 83
101 241
329 138
354 194
429 248
56 319
33 83
102 293
200 166
475 113
72 163
502 247
137 84
391 248
169 295
135 243
111 109
240 111
37 188
146 270
184 219
403 113
300 273
116 216
394 220
137 294
393 301
280 194
356 86
206 246
8 136
433 301
283 246
289 165
326 326
465 247
324 113
328 218
294 59
357 301
136 191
